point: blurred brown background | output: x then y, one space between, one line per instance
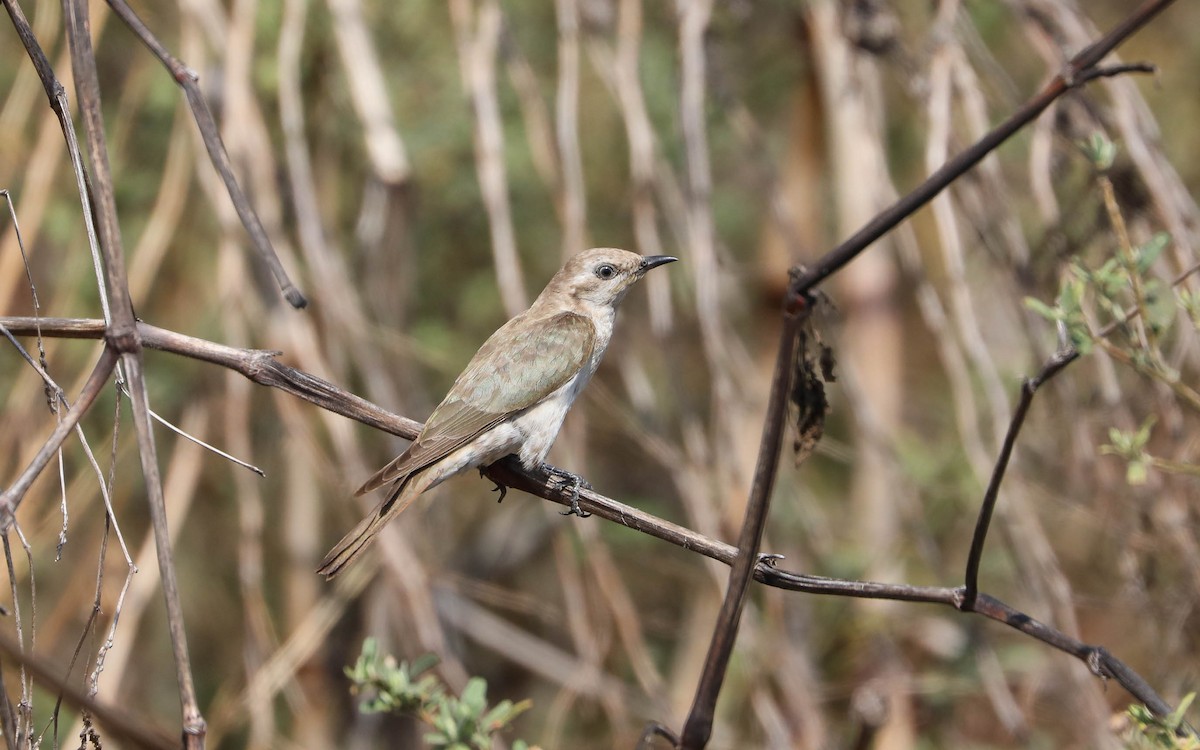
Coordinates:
423 168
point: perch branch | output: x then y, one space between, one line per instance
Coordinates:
260 367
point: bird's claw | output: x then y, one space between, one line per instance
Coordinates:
576 483
503 490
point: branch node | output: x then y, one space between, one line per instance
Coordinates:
655 729
770 559
123 339
1095 661
183 74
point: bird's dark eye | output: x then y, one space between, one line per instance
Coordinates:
605 271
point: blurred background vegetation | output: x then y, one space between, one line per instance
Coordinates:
363 133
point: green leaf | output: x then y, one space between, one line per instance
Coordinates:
456 723
1190 302
1149 252
1176 718
424 663
1070 296
1041 308
1142 436
1136 473
1160 305
1099 150
474 695
1081 338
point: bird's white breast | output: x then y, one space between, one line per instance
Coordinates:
539 425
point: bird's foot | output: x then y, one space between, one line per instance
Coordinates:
498 488
565 479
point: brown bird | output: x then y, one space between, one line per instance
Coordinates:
515 392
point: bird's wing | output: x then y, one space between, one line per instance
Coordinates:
526 360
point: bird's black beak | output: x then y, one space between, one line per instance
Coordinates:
654 261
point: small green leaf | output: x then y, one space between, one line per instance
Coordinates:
424 663
474 695
1081 338
1190 302
1041 308
1099 150
1149 252
1142 436
1136 473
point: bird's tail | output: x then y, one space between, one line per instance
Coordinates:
360 537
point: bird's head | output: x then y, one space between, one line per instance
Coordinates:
602 275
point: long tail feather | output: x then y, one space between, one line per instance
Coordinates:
360 537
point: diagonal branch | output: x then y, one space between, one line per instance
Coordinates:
260 367
115 719
1055 365
698 727
1081 69
11 497
210 134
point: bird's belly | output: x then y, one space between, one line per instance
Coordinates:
487 448
539 425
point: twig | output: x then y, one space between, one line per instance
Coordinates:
368 92
698 727
12 497
62 110
194 728
210 134
256 364
574 199
477 46
120 724
1029 387
61 399
639 131
186 436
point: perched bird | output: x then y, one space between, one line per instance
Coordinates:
515 392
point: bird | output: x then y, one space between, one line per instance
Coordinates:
514 393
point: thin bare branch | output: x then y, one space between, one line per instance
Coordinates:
11 497
117 721
698 727
121 336
189 82
574 198
478 35
368 92
1056 365
194 728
